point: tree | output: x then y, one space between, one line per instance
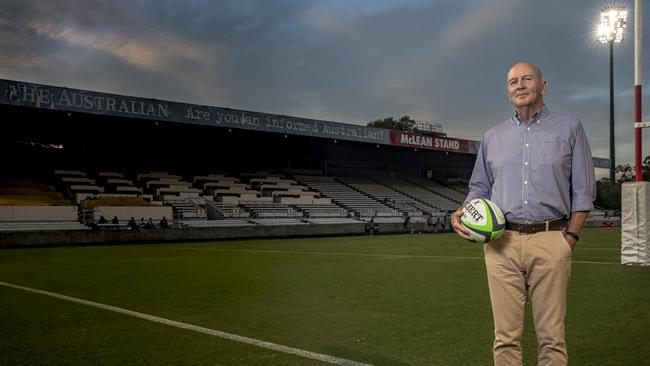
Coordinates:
625 173
608 196
405 123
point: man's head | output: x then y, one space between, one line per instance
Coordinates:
526 86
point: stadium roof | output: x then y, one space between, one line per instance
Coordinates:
17 93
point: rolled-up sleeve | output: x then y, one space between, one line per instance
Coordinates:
480 184
583 176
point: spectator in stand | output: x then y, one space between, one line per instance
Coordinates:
447 221
407 222
102 220
115 221
142 224
132 224
150 224
163 223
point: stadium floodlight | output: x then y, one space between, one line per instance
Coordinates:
612 24
612 30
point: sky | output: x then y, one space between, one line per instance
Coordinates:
336 60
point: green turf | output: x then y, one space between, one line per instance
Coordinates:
385 300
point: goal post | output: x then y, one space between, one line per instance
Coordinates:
635 223
635 196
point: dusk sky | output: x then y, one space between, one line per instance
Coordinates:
337 60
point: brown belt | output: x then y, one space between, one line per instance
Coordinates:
531 228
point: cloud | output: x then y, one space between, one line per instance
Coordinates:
348 61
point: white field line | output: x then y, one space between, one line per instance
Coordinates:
293 252
330 253
587 248
233 337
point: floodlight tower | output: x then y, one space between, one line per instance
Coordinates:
612 30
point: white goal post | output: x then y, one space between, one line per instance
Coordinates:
635 223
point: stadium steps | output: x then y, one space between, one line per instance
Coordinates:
8 226
375 205
395 184
451 203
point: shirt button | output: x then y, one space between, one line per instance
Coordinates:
526 202
525 163
528 128
525 182
526 145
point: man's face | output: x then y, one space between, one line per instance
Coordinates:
525 86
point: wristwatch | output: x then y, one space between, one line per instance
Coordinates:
572 234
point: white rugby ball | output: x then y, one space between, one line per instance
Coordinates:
484 220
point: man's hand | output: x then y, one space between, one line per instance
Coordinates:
457 226
571 241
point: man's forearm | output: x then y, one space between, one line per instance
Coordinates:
577 221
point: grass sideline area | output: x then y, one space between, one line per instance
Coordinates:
396 300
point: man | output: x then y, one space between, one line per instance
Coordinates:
537 167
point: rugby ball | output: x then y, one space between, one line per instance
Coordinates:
484 220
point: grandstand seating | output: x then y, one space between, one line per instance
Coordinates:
278 221
269 209
425 201
187 209
219 200
116 183
34 225
449 193
27 193
331 220
347 197
321 210
220 211
24 202
460 186
165 186
426 197
386 195
237 192
218 223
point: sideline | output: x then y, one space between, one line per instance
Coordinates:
233 337
294 252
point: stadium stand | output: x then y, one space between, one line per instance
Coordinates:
77 184
220 200
221 211
385 194
217 223
122 207
187 208
450 194
27 205
424 192
347 196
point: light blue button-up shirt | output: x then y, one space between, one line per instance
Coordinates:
535 171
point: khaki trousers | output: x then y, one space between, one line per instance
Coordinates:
534 267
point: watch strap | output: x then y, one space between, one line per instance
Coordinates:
572 234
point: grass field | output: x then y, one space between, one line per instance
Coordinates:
384 300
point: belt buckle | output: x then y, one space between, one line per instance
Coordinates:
527 229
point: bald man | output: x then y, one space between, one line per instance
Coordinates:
537 167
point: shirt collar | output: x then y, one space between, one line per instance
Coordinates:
537 117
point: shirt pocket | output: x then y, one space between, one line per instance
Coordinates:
554 153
